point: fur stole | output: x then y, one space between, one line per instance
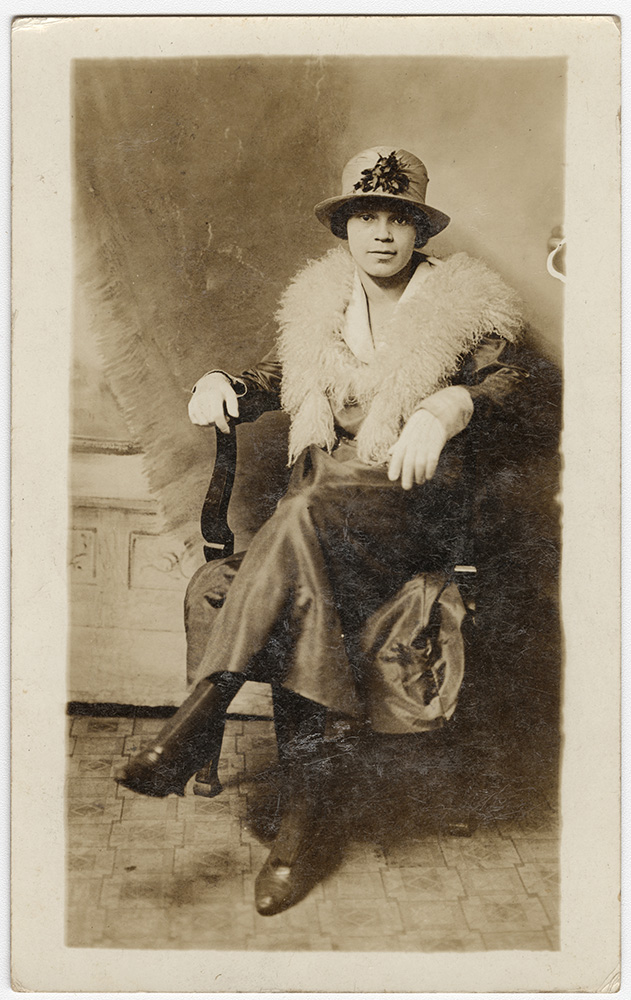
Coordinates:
434 327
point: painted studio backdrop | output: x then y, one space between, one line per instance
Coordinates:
195 182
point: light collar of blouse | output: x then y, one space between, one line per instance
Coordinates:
357 333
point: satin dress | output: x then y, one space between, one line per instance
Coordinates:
348 553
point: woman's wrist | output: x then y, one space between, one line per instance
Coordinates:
452 407
232 379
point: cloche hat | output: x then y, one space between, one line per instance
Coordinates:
383 172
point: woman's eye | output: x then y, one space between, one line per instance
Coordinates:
402 220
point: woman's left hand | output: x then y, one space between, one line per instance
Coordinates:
416 453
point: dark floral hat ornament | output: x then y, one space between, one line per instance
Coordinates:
383 172
387 175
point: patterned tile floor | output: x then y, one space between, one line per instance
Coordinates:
179 872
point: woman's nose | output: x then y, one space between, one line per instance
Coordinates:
383 232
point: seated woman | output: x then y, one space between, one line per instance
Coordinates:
384 357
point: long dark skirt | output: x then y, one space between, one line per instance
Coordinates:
340 545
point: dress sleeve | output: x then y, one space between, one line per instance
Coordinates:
258 388
492 373
489 376
265 376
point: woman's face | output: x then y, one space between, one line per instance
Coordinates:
381 239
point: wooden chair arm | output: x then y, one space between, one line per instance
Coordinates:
216 532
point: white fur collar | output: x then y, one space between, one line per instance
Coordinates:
440 319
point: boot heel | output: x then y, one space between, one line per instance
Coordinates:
207 781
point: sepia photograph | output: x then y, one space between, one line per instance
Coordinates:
314 687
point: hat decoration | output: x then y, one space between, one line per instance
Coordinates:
388 174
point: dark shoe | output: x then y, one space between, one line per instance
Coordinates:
150 773
187 742
289 872
279 886
291 869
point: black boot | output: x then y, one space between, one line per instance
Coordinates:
289 872
185 743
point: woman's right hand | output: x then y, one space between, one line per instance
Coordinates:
213 401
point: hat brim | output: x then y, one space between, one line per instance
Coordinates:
325 210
